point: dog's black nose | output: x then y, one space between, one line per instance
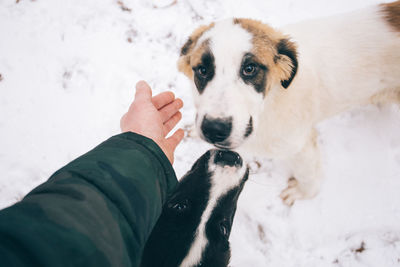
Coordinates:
227 157
216 130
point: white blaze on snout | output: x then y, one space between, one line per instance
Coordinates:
228 43
223 179
226 95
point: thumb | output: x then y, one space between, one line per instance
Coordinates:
174 140
143 92
122 122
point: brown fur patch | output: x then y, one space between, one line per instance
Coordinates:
391 13
265 43
184 60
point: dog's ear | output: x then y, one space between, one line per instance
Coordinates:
184 58
286 59
187 48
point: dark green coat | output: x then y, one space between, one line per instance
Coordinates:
96 211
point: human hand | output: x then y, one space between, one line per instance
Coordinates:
154 117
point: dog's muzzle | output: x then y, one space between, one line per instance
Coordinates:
228 158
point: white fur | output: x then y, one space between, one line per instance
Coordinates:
344 61
223 96
223 179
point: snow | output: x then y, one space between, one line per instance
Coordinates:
68 71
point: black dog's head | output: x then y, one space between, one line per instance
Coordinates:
195 223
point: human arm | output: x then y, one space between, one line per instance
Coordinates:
96 211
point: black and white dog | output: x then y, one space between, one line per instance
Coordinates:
196 221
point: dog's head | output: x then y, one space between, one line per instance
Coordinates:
234 64
196 221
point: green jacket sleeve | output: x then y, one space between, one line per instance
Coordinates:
96 211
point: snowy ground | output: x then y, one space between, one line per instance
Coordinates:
68 70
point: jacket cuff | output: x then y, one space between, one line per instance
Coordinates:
156 151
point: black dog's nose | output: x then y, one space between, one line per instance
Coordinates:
216 130
227 157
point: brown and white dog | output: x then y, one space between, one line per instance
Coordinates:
262 91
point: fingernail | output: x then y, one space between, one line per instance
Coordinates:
141 83
180 102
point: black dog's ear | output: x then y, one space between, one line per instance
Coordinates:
286 60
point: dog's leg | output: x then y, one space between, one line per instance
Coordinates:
307 172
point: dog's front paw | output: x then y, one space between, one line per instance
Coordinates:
292 192
299 190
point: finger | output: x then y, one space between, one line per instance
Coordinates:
172 122
163 99
143 92
122 122
169 110
174 140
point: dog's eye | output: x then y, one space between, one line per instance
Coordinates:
202 71
249 70
223 229
179 206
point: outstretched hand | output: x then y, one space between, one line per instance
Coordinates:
154 117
